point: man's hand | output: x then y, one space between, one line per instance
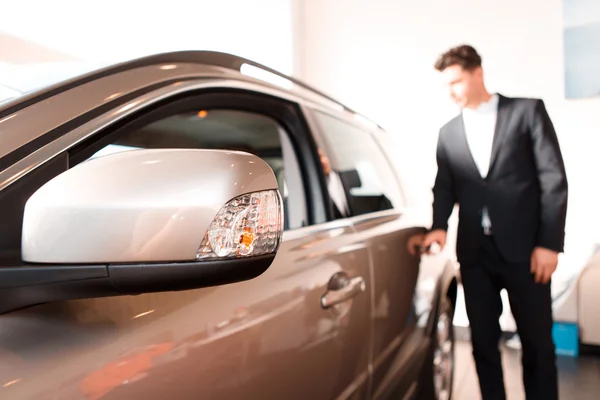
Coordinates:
437 236
543 264
414 243
421 243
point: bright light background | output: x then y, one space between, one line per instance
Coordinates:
112 30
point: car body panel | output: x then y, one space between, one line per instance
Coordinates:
406 289
395 275
269 337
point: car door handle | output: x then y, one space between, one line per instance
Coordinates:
345 290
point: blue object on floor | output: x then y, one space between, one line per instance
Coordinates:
566 338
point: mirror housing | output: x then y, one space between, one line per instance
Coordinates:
145 221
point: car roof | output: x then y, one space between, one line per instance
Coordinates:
37 116
230 62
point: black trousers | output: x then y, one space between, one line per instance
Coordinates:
531 305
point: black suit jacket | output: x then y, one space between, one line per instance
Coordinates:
525 190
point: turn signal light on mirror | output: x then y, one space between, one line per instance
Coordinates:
249 225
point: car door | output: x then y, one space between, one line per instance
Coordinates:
298 331
375 204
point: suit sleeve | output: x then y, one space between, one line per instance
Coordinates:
552 178
444 196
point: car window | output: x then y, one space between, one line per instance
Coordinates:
227 130
357 161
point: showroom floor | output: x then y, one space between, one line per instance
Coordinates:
579 377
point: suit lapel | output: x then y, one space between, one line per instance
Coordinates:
500 130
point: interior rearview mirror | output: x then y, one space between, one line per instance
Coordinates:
145 221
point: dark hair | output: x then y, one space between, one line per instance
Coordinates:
465 56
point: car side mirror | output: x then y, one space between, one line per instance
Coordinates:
146 221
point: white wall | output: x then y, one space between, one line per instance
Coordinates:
378 55
114 30
15 50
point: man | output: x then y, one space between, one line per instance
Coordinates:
500 161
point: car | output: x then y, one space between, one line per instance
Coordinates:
197 225
17 79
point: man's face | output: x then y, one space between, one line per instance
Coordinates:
461 84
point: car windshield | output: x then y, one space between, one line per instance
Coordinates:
19 79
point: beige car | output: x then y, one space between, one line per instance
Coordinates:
194 225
